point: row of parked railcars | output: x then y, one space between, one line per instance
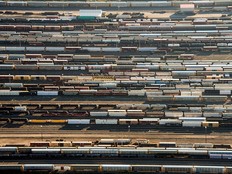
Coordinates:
195 122
119 168
195 115
121 4
132 56
126 143
120 151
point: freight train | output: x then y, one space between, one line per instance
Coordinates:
121 4
119 151
188 122
119 168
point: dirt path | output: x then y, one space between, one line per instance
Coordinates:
154 137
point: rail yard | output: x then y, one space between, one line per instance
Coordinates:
116 86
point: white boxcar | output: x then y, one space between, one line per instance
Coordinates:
136 92
147 48
8 92
98 113
225 92
15 48
119 4
92 12
212 114
78 121
14 85
140 4
191 123
37 4
112 49
8 67
106 141
173 114
46 93
35 48
58 4
20 108
192 118
54 48
45 151
106 121
108 85
117 113
17 4
161 3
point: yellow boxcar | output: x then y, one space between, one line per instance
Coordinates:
210 124
58 121
38 121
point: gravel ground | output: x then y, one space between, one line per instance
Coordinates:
215 138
